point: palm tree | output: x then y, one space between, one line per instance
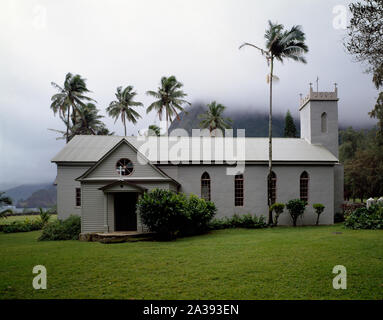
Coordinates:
154 130
280 44
86 122
213 119
122 107
70 95
170 99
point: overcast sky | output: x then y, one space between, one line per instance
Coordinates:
113 43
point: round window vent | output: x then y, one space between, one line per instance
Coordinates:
124 167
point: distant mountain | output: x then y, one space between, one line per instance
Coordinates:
41 198
255 123
25 191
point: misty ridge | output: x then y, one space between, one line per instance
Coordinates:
252 119
33 195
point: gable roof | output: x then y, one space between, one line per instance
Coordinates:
93 148
106 155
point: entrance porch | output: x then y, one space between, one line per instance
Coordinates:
120 216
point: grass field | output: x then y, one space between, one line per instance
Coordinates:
279 263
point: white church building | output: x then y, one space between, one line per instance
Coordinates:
100 178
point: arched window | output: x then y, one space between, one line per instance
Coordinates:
205 186
272 188
324 122
304 186
238 190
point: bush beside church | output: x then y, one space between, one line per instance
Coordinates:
171 215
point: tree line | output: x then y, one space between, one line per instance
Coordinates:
362 151
80 114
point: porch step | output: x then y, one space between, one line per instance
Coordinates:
116 237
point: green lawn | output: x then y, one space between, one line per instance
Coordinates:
279 263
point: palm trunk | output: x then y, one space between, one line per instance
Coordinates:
73 116
124 121
317 220
67 126
270 142
167 123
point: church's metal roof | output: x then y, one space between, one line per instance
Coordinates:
91 148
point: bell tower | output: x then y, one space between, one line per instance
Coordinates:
319 119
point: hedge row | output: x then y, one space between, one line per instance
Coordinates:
237 221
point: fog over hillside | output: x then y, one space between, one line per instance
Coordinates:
255 120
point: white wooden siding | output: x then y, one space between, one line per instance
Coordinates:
66 189
92 219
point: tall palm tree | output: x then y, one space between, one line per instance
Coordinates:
122 107
86 122
213 118
72 94
170 99
280 44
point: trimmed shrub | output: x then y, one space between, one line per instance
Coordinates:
296 208
236 221
363 218
199 213
319 208
169 214
246 221
221 223
68 229
278 209
22 226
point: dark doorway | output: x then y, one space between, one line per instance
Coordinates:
125 217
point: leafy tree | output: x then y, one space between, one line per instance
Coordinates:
319 208
290 128
350 141
365 36
4 200
123 106
377 113
71 95
213 118
280 44
364 173
170 99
